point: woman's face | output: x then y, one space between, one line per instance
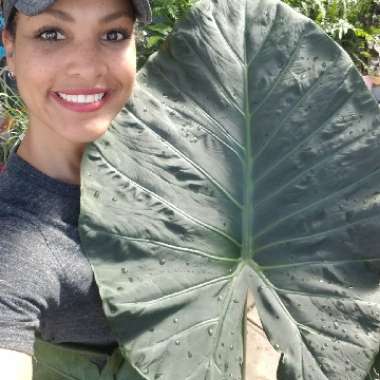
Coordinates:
72 47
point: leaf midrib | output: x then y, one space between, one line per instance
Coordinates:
247 215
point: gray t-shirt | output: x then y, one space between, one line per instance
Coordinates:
46 283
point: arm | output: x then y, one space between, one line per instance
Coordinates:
15 365
28 282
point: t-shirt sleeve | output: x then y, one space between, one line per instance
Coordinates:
29 283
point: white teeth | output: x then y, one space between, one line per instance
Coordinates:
83 99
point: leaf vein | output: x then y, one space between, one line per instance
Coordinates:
224 131
188 330
194 165
321 296
172 206
315 331
284 71
317 263
227 95
259 50
209 131
171 246
180 292
283 121
228 43
302 142
317 203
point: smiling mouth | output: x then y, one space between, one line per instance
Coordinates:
82 102
82 99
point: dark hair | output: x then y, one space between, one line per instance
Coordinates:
12 23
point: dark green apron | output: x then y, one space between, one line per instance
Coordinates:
78 362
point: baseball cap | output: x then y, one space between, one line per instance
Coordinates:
34 7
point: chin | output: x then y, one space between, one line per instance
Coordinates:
85 136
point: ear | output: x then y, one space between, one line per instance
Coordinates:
9 45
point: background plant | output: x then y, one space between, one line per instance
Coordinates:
354 24
165 15
13 110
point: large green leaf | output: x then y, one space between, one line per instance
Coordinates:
248 160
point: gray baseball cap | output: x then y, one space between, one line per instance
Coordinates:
34 7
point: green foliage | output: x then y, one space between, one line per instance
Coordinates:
14 112
165 15
354 24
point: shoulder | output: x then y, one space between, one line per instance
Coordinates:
24 248
28 269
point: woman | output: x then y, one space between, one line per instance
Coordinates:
75 65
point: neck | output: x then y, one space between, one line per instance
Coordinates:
56 157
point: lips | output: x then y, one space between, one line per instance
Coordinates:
81 107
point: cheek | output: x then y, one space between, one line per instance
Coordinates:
129 83
123 70
31 85
128 68
34 72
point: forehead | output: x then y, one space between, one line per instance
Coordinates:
70 10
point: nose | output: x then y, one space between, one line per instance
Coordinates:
86 61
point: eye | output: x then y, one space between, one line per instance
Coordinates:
50 35
117 35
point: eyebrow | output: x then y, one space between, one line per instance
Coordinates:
66 17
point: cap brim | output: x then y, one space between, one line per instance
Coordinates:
33 8
142 7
